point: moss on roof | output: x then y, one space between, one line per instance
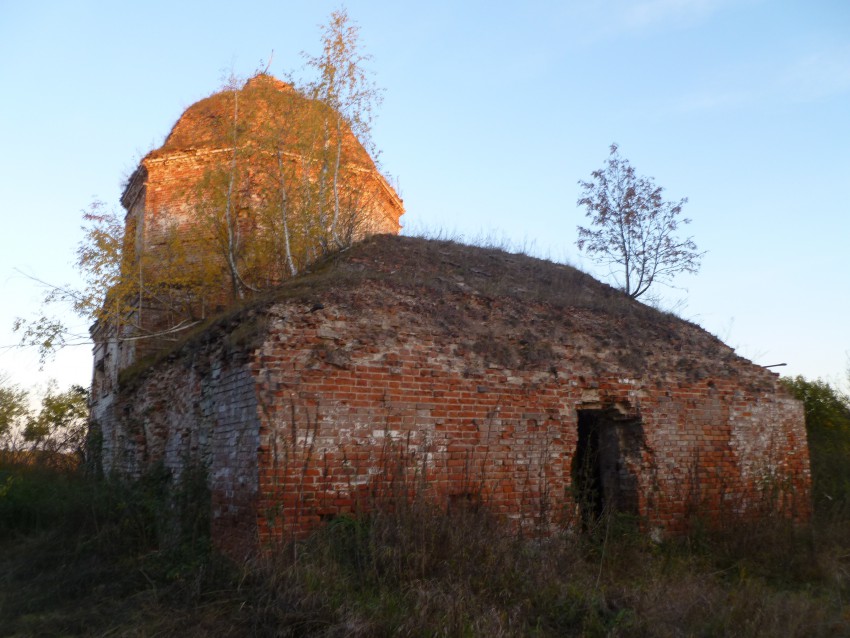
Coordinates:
512 309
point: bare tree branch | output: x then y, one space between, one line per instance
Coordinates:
634 228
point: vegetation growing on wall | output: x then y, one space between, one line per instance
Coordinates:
284 180
95 558
634 230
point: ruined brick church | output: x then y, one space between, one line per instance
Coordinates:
405 367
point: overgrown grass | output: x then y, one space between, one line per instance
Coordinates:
456 284
79 557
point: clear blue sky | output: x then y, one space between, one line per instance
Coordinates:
493 111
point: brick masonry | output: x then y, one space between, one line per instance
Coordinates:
410 368
176 212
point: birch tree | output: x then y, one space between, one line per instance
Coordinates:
344 84
284 187
118 284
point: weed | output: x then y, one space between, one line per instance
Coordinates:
94 561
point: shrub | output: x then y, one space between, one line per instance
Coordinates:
828 428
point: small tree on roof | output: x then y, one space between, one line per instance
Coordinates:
344 83
633 228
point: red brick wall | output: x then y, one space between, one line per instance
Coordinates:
352 411
304 411
200 409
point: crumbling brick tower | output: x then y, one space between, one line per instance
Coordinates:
249 188
402 365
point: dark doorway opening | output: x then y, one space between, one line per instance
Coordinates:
606 464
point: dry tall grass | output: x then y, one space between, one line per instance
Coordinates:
95 559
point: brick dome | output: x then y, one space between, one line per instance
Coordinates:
253 147
264 108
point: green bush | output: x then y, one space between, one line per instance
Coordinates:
828 428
